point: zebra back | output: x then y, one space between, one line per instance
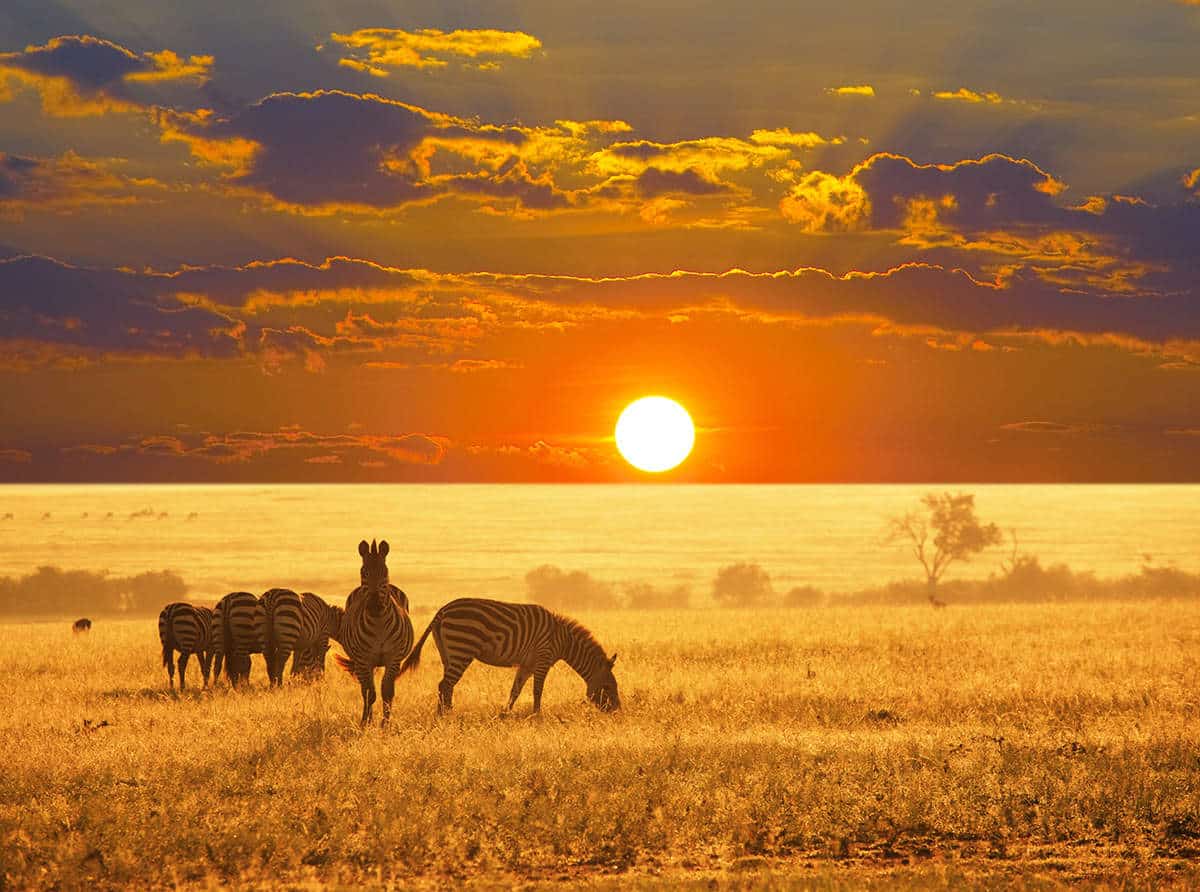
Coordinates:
283 613
239 625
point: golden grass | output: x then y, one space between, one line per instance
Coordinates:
835 748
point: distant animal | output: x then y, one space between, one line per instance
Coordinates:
46 516
8 516
318 623
108 516
192 516
238 628
937 603
284 615
375 630
527 636
83 516
163 515
81 625
186 628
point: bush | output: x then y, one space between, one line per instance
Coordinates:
52 590
644 596
804 596
743 585
557 589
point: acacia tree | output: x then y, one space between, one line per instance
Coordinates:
944 530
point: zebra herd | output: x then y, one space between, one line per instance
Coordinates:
375 631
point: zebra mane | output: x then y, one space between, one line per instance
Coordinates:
579 632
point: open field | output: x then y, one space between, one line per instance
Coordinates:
836 748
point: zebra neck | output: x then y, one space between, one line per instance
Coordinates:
582 655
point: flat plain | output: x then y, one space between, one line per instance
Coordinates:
1030 746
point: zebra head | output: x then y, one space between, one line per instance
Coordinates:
374 569
602 686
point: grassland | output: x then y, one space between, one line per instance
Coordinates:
832 748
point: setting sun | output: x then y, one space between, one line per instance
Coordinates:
655 434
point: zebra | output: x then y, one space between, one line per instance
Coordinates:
238 627
527 636
375 630
318 623
284 616
186 628
81 625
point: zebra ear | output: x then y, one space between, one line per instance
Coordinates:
383 548
612 660
363 548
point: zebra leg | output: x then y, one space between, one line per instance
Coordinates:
540 672
518 686
169 659
366 679
451 673
206 667
387 690
183 661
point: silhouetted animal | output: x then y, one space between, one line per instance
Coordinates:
283 614
936 602
318 623
8 516
186 628
46 516
527 636
81 625
375 630
238 630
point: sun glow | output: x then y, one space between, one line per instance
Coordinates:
655 434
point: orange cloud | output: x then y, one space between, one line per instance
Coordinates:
381 50
822 202
962 94
858 90
64 184
79 75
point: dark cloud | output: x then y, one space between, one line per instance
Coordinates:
65 183
331 150
82 74
73 312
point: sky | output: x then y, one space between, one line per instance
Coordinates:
439 241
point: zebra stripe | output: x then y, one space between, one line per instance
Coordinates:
375 630
239 624
283 613
318 623
527 636
185 628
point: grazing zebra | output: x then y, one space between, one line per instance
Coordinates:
238 627
375 630
81 625
284 616
318 623
185 628
527 636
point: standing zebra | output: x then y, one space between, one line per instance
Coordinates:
185 628
318 623
284 617
527 636
239 624
375 630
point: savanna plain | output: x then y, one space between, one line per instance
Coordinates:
842 747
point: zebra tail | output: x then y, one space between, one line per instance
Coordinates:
168 642
343 661
414 658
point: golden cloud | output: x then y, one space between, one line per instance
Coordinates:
380 50
962 94
81 75
65 184
856 90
